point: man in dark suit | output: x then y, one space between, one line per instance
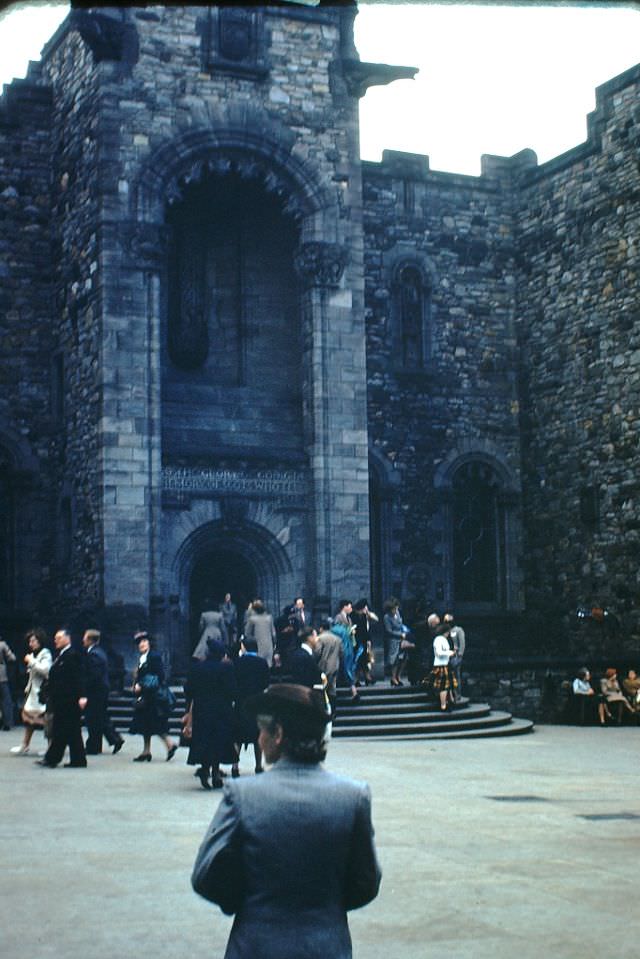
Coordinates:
298 616
292 851
303 667
65 698
252 677
96 715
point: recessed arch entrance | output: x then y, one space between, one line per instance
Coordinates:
217 572
244 559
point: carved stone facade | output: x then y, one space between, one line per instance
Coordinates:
240 358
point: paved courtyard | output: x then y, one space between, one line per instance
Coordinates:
490 849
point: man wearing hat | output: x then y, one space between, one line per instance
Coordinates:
290 852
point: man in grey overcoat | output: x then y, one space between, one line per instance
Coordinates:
290 852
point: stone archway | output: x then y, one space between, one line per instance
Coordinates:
221 557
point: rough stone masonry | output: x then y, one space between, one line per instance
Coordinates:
235 357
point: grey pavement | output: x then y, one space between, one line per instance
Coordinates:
490 849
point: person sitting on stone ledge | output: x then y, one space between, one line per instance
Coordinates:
586 699
631 687
613 694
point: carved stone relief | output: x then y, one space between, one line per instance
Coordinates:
320 264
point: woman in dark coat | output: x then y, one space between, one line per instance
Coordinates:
152 706
362 617
252 677
210 690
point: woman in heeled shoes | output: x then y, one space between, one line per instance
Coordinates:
38 662
150 714
362 618
210 690
394 633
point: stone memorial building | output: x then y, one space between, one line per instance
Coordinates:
237 358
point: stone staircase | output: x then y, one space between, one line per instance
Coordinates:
398 713
383 712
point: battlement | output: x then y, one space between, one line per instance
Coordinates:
25 101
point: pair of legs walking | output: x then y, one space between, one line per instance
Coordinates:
98 725
145 755
66 731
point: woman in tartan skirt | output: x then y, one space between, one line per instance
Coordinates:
442 677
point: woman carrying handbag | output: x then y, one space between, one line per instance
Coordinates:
153 705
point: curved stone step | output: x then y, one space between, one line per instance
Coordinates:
512 727
437 729
383 715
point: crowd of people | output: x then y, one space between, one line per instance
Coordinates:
608 700
236 656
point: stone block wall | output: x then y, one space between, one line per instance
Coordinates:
530 360
27 408
462 400
137 109
68 68
577 222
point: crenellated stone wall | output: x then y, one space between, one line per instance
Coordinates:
529 350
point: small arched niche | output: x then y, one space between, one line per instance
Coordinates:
411 298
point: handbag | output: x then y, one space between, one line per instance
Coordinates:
406 644
150 682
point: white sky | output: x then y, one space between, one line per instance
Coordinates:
492 79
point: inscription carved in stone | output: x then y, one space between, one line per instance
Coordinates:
264 482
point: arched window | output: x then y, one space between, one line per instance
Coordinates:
478 535
412 314
232 370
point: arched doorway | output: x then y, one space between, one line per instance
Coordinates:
245 559
215 573
477 535
481 516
